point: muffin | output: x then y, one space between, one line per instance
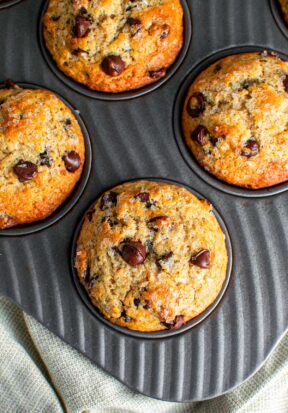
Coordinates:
41 154
151 256
114 46
284 9
235 119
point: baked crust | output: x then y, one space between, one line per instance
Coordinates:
165 290
147 47
242 104
35 126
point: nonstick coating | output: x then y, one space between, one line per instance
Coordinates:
134 139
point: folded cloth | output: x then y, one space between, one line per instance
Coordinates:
40 373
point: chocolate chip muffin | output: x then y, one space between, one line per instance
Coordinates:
235 119
41 154
114 46
284 9
151 256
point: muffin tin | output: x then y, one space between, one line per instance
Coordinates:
134 138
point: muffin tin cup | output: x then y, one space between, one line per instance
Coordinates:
166 333
278 16
84 90
179 135
8 3
63 209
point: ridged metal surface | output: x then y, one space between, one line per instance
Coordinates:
134 139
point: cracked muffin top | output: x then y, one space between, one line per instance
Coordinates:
114 46
284 9
151 255
235 119
41 154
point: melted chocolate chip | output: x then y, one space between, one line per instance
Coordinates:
217 68
251 148
164 259
136 302
285 83
200 135
133 252
72 161
45 159
135 25
54 18
25 170
214 140
87 274
196 105
154 74
155 223
178 322
92 281
165 31
81 27
143 196
9 84
108 200
201 259
146 305
113 65
90 214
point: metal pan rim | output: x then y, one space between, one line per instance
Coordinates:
8 3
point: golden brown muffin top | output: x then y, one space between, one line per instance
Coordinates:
113 46
235 119
151 255
41 154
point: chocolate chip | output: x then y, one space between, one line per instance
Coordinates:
251 148
135 25
25 170
45 159
87 274
200 135
196 104
77 52
165 31
156 222
285 83
81 27
143 196
92 281
113 65
108 200
72 161
154 74
201 259
249 82
126 317
217 68
82 11
111 222
178 322
90 214
146 305
136 302
165 261
68 122
214 140
133 252
9 84
54 18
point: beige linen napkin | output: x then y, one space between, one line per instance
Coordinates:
39 373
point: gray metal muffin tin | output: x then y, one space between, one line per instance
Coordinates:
136 138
